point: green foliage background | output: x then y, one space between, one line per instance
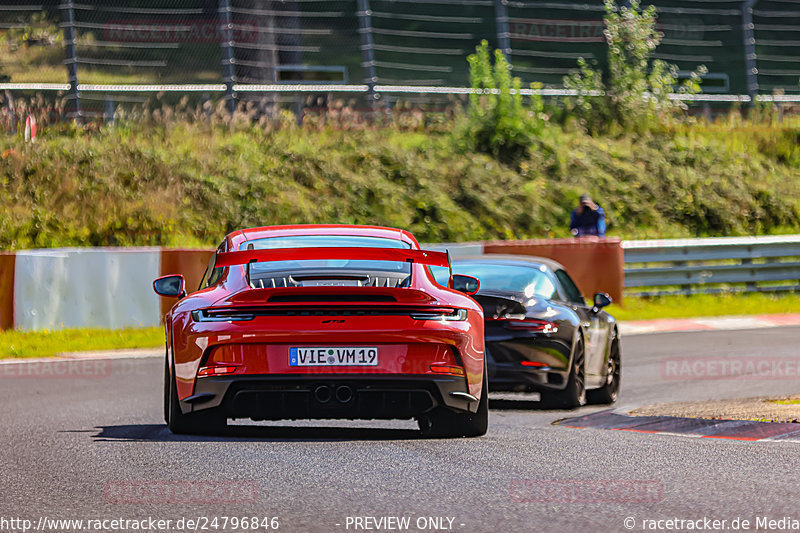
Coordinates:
506 167
184 183
635 95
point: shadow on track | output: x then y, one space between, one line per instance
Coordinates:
505 404
160 433
516 405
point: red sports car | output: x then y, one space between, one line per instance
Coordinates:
325 321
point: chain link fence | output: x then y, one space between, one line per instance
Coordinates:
97 55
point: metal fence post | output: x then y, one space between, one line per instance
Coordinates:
291 55
109 110
228 61
72 58
748 33
503 35
9 103
367 50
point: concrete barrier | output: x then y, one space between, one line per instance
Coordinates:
7 262
85 287
91 287
112 287
596 265
191 263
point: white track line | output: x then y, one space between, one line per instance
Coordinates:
96 355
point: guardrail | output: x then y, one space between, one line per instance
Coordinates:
713 265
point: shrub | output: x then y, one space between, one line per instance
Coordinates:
636 94
183 183
499 122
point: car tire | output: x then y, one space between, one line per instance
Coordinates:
167 390
607 394
444 423
574 394
206 422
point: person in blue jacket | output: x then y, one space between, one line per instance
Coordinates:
588 219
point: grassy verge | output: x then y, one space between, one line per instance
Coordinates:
19 344
705 305
154 182
788 401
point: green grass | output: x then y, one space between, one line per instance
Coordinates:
792 401
18 344
706 305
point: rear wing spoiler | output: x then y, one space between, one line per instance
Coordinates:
247 257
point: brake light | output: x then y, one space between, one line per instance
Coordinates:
447 315
216 370
533 363
527 324
447 369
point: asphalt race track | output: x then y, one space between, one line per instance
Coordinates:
93 445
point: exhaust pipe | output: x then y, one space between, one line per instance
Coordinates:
344 394
323 394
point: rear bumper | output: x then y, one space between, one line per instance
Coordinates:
513 377
278 397
504 361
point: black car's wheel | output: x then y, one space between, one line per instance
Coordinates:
442 422
608 393
574 394
206 422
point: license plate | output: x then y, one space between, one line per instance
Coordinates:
334 356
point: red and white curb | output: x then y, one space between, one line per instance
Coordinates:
675 325
746 430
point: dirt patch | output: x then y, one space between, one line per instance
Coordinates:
770 409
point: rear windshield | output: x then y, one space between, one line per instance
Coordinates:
266 269
528 280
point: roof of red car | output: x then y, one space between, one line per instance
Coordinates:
323 229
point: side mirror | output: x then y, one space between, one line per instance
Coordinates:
171 286
601 300
466 284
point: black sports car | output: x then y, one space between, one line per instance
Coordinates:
540 333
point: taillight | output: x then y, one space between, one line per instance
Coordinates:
447 315
216 370
533 363
447 369
223 315
527 324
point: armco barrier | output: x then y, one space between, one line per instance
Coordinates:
712 265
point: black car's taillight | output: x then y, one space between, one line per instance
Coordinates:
526 324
